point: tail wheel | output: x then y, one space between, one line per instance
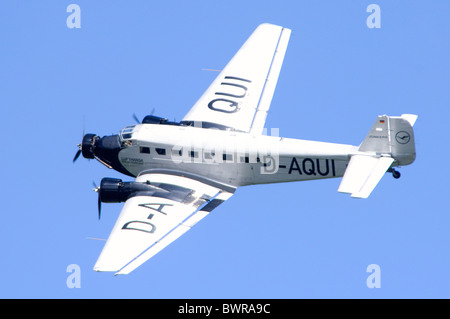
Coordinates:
396 174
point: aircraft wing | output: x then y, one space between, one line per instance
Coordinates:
150 222
239 98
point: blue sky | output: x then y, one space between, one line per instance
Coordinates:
295 240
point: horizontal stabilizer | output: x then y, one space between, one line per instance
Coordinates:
363 173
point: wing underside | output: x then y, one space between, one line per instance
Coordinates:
239 98
147 224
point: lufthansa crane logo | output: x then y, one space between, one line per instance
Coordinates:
402 137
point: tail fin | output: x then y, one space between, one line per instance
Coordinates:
392 136
390 142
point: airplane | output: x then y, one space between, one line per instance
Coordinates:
184 170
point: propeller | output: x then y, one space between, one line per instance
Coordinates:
99 204
80 147
77 154
137 119
99 201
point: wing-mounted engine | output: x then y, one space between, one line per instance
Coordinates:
151 119
114 190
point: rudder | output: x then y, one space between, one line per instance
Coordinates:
392 136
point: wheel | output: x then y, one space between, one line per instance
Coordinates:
396 174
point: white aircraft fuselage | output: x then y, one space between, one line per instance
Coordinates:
230 157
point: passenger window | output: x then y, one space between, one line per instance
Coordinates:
227 157
144 150
193 154
245 159
161 151
177 152
209 155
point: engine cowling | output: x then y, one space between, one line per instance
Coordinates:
114 190
151 119
88 145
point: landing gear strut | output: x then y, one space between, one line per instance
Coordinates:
395 174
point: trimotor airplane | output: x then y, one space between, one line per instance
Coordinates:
183 170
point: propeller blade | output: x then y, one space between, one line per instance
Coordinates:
76 156
99 201
79 146
136 118
99 207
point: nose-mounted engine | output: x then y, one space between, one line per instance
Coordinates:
104 149
88 145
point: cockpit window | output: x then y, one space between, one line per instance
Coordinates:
128 129
127 132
